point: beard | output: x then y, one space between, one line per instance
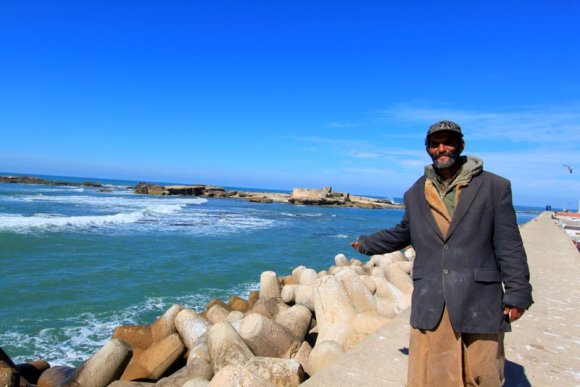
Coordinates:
453 157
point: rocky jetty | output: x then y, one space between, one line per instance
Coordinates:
301 196
289 330
38 180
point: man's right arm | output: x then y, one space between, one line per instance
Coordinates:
385 241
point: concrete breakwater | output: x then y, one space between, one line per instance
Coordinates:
289 330
302 196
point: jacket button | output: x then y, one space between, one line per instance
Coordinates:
445 246
445 271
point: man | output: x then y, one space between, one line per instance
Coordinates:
470 273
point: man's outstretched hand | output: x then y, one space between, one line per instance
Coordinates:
355 245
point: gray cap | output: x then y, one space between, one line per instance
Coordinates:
444 126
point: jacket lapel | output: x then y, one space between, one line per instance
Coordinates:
426 210
465 199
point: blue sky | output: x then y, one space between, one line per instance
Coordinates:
279 95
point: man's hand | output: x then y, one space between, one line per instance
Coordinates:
354 245
513 312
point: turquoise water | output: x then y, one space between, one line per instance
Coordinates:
77 262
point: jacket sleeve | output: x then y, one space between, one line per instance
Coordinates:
387 240
509 251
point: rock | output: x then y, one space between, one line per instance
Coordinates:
196 382
105 366
304 295
234 316
137 336
264 336
238 303
323 354
288 293
406 266
124 383
191 328
226 347
31 371
361 298
197 369
58 376
395 275
217 313
234 376
296 320
297 272
200 351
341 260
369 283
302 356
277 372
152 363
334 310
9 377
165 325
269 307
269 285
308 277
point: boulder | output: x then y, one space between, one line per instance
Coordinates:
165 325
226 347
269 285
296 320
191 327
57 376
196 369
137 336
9 377
105 366
152 363
264 336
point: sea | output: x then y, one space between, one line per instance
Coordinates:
78 261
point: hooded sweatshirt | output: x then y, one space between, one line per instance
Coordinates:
470 166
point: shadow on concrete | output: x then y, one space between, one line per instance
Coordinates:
515 375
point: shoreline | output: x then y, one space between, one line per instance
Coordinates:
324 197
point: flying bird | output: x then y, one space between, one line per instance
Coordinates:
569 168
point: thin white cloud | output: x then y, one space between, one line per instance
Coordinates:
341 125
547 124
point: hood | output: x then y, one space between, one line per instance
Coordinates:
470 166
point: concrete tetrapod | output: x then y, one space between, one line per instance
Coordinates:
334 310
226 346
105 366
191 327
269 285
154 361
359 295
296 320
264 336
165 325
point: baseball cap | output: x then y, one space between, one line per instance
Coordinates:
444 126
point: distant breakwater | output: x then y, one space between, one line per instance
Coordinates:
300 196
294 326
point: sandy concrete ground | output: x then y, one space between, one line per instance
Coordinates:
543 349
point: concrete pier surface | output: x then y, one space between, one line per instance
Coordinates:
543 348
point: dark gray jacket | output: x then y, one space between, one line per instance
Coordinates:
466 269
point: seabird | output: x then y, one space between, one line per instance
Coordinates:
569 168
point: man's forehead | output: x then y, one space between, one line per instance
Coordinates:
442 136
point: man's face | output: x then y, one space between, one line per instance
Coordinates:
444 149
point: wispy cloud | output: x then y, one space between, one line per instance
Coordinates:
341 125
545 124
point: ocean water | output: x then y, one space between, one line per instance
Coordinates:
76 262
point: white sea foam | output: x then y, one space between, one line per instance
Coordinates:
81 336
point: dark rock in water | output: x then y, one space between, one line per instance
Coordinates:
38 180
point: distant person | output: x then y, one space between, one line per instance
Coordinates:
461 222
